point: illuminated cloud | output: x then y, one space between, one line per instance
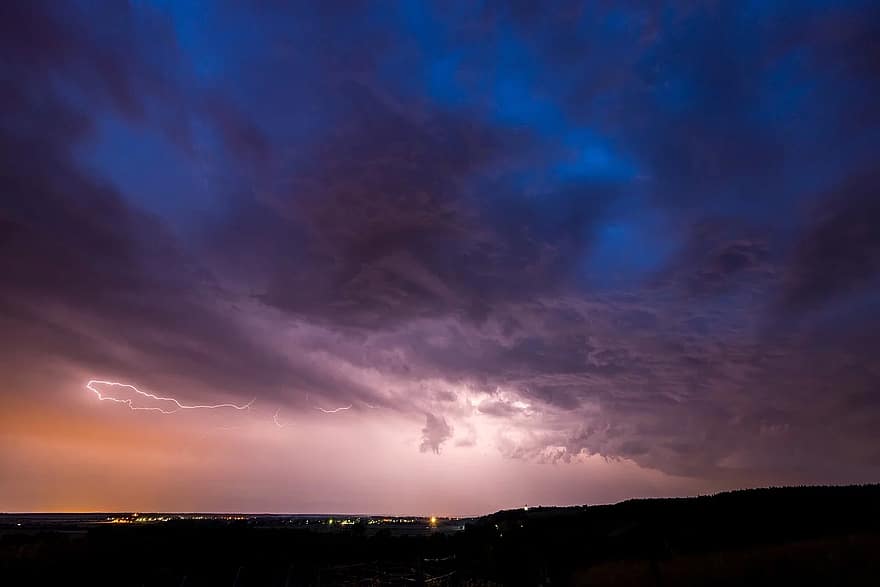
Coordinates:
637 235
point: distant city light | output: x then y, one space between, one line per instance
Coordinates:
136 518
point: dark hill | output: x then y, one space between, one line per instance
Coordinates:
774 536
817 535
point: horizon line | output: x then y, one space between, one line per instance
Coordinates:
447 516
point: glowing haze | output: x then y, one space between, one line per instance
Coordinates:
435 258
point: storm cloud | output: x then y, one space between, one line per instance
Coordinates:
643 232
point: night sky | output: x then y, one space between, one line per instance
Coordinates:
459 256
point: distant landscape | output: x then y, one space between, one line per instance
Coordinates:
772 536
332 292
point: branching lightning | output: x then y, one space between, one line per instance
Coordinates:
334 410
326 411
275 419
178 406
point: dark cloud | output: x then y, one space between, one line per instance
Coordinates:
87 272
396 222
435 433
586 226
839 253
718 259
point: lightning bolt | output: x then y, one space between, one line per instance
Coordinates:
179 406
275 419
334 410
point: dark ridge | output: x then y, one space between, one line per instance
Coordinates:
771 536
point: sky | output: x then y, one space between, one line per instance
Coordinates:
435 258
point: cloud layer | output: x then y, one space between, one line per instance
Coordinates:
641 232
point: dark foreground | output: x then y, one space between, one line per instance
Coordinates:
784 536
